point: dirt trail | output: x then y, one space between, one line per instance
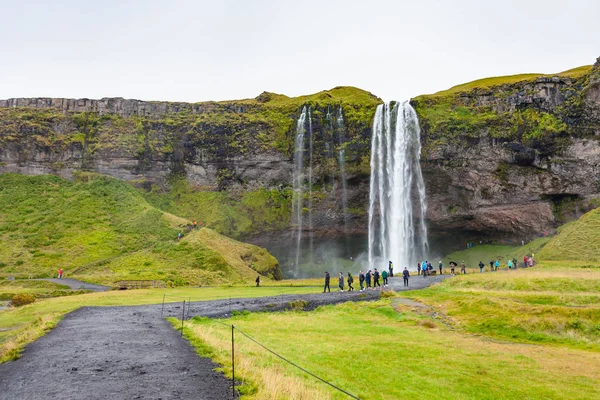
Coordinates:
77 285
133 353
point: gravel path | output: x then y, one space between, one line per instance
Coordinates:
133 353
78 285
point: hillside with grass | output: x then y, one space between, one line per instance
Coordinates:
576 241
102 230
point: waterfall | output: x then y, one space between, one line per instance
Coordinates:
310 184
396 179
342 164
298 180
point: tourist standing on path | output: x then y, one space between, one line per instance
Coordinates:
257 281
424 268
418 268
496 265
515 263
452 265
361 280
350 281
341 282
384 276
376 278
510 263
463 268
405 276
327 279
525 261
481 265
368 278
60 273
440 265
391 269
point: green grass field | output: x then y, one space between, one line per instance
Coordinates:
388 350
487 253
102 230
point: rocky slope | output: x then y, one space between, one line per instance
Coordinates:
502 158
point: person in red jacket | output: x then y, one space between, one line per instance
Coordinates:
525 261
60 273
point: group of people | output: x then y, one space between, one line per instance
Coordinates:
369 280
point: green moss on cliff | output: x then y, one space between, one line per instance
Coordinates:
235 214
487 83
508 109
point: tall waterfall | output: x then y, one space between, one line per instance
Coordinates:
339 124
298 180
396 180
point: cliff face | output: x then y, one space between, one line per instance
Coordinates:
503 158
515 158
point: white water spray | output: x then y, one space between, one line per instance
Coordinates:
298 180
396 179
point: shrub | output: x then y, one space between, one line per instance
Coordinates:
21 299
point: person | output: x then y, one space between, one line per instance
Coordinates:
463 268
481 265
341 282
525 261
440 267
405 276
509 263
60 273
424 268
179 236
522 243
491 265
418 268
361 280
452 265
384 276
368 278
257 281
515 263
391 269
327 278
195 225
530 261
496 265
350 281
375 278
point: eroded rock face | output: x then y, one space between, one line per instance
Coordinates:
483 180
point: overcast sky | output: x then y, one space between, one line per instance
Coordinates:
217 50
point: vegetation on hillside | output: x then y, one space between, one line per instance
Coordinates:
101 229
234 214
577 240
485 108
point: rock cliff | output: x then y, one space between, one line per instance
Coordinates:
502 158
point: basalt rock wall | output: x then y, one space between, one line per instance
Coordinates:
502 161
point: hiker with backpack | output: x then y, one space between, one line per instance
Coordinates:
384 276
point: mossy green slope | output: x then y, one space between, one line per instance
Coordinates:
102 229
577 241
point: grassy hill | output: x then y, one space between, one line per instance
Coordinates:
487 83
101 229
578 240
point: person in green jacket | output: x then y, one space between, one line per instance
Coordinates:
350 281
384 275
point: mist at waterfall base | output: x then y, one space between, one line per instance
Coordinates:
396 208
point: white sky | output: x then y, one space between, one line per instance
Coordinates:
217 50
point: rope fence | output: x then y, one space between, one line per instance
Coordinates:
234 328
